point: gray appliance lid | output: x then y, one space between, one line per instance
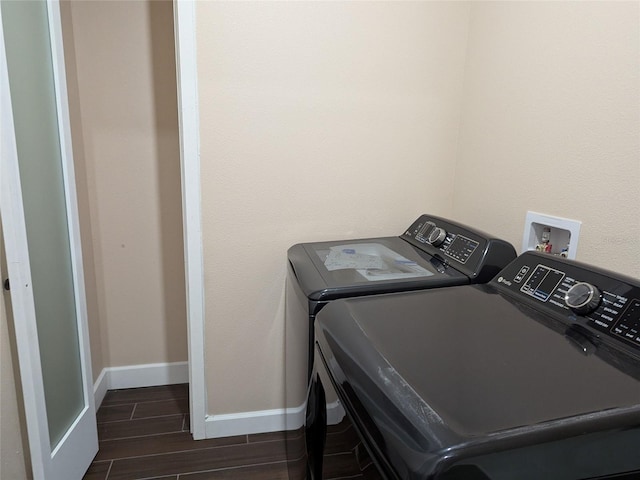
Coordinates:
347 268
462 361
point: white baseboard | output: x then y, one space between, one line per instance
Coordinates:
216 426
245 423
265 421
135 376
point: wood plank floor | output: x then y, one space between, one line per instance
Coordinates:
144 434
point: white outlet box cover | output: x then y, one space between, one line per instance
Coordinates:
571 229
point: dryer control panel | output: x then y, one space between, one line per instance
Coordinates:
476 254
605 302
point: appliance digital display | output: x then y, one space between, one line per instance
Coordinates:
542 282
461 248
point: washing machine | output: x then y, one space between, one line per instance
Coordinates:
431 252
535 375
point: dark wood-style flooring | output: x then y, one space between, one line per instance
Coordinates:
144 434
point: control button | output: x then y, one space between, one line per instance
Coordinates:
523 271
437 236
582 298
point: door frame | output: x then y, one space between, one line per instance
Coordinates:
184 12
71 453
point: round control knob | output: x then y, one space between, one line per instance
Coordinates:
437 236
582 298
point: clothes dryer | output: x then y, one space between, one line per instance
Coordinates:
535 375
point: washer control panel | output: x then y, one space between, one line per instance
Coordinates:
604 301
452 244
474 253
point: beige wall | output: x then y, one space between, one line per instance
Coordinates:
319 120
336 120
124 119
551 123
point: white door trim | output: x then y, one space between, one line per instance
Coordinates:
189 126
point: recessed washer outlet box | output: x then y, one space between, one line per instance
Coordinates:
563 233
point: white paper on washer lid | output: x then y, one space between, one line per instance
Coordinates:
344 257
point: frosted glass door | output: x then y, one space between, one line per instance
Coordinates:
48 288
36 130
